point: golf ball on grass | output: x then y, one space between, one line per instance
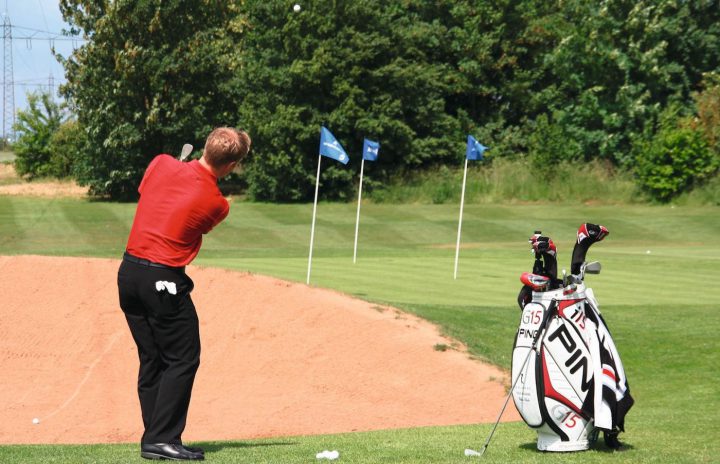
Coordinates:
330 455
297 8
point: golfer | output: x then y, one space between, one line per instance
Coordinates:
179 202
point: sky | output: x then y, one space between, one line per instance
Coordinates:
34 24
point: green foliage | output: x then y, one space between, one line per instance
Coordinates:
549 145
35 127
706 194
553 80
675 160
363 69
560 81
616 64
152 76
66 144
707 103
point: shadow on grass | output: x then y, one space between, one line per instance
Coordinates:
212 447
599 446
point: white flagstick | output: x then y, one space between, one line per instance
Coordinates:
312 230
462 203
357 220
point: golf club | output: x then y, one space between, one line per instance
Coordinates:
185 152
540 336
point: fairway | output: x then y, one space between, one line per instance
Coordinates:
651 294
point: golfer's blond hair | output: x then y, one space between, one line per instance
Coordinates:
225 145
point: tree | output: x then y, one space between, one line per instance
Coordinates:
620 63
35 128
556 80
152 75
363 69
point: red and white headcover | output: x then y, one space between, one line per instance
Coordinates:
593 232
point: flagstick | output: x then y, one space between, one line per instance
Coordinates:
312 230
462 203
357 220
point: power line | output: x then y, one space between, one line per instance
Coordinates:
29 35
34 29
50 34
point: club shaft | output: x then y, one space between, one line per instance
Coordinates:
540 336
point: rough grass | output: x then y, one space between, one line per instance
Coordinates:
512 181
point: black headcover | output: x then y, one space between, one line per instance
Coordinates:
545 256
587 234
545 265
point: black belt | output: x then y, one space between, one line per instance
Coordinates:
134 259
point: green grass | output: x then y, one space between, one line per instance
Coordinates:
512 442
660 306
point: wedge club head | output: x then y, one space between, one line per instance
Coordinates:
186 150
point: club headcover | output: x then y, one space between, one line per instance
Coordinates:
537 282
587 235
592 232
546 250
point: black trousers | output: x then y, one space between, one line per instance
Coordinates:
165 329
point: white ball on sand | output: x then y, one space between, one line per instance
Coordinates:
36 421
297 8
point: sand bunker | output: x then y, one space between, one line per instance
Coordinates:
278 359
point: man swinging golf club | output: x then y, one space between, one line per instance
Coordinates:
179 202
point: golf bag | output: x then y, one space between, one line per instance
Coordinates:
570 381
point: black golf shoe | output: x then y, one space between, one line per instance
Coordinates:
169 451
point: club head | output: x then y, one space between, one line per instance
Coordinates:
591 268
472 452
185 152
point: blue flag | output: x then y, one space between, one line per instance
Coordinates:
370 150
475 149
330 147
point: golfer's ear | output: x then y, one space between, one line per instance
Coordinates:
237 167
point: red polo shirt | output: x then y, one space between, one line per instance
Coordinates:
179 202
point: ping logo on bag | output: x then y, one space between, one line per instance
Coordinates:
578 359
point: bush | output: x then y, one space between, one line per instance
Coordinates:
674 161
549 145
706 194
707 103
65 145
35 127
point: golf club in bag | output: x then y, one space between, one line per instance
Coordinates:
570 383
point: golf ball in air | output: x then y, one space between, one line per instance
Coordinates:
36 421
297 8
